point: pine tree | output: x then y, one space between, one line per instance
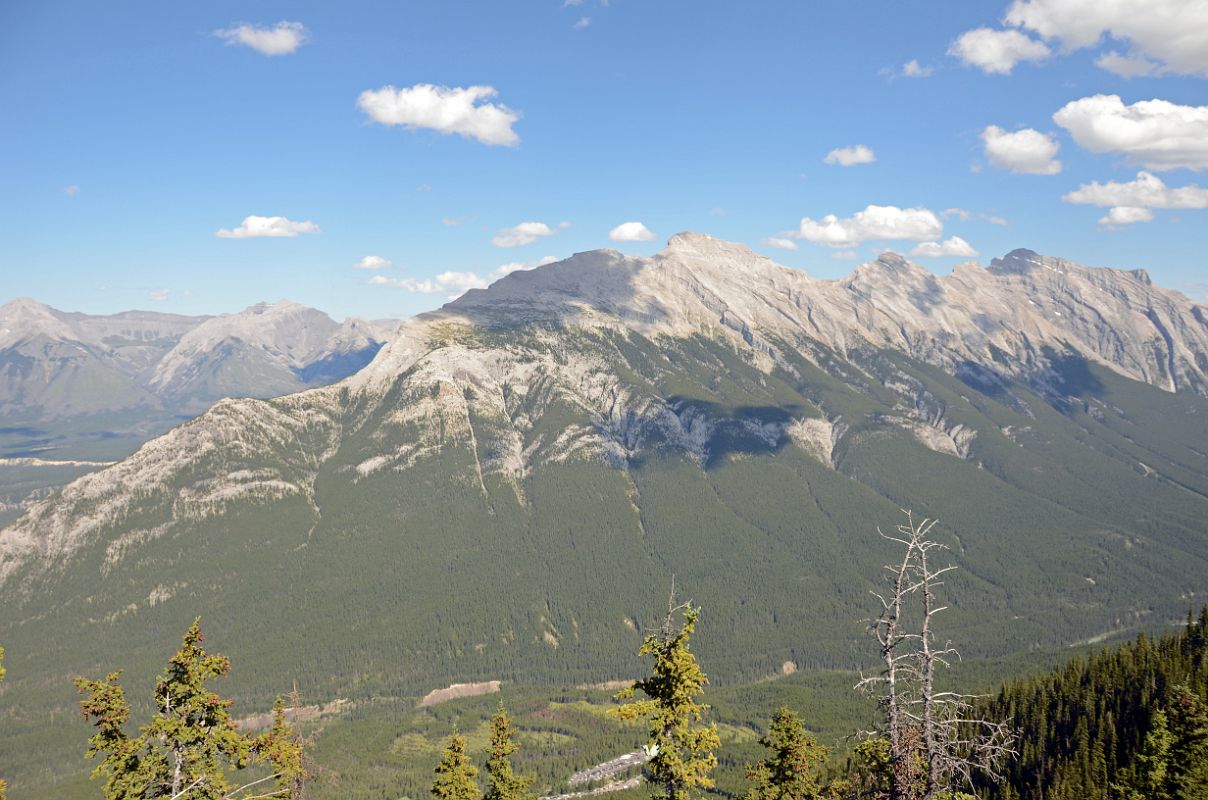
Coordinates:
455 775
680 748
1148 780
791 771
502 782
1188 773
191 742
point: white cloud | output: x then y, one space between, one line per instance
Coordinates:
451 222
913 69
1169 35
850 156
254 227
373 262
997 52
1156 134
1145 191
959 213
1126 66
1027 150
160 295
630 232
522 234
781 242
520 266
583 22
874 223
443 109
453 284
279 40
71 191
1120 216
952 246
845 255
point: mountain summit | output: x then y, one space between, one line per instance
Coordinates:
506 489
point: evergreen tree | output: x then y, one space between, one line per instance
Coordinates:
680 748
1188 772
502 782
455 775
790 772
190 744
1148 780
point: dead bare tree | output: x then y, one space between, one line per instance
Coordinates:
936 744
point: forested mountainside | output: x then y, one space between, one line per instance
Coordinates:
505 491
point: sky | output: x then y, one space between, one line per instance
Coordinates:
376 159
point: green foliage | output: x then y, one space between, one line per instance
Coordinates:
1129 723
680 748
455 775
793 768
191 742
868 773
502 781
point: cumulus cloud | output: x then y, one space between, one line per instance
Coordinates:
1145 191
278 40
452 284
913 69
583 22
874 223
952 246
630 232
1132 201
373 262
1155 134
255 227
71 191
1028 151
444 109
1119 216
520 266
522 234
850 156
1163 36
780 242
160 295
997 52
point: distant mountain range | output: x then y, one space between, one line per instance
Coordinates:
504 492
55 364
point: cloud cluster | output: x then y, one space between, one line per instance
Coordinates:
454 284
850 156
781 242
874 223
522 234
373 262
254 227
952 246
997 52
1155 134
1132 201
630 232
279 40
1027 151
444 109
1163 36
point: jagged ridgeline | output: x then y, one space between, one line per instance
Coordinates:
505 491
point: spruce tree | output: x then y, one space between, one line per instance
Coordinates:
3 785
502 781
680 747
791 771
191 744
1188 773
455 775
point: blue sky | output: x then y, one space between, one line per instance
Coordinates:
135 132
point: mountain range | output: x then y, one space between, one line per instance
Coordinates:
506 489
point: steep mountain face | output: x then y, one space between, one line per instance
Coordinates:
505 490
